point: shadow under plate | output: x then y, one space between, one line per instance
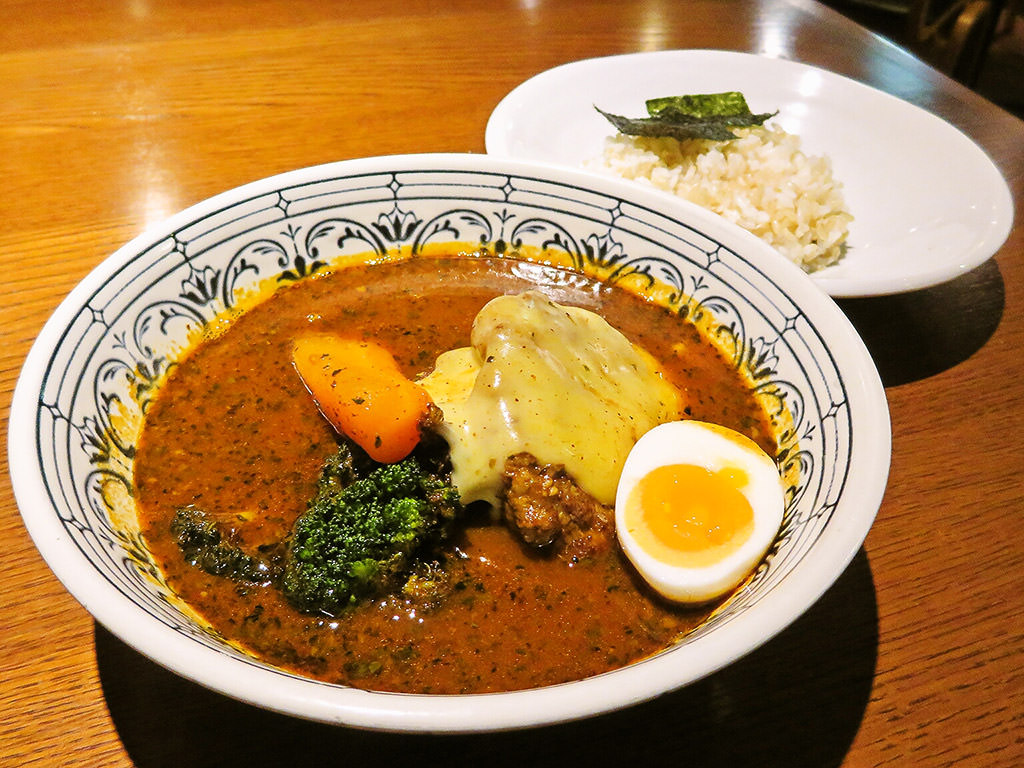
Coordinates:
914 335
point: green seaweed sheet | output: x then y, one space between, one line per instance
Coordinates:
694 116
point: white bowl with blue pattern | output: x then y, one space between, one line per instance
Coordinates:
94 365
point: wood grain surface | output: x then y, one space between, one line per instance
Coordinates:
115 115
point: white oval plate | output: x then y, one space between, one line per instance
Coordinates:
928 203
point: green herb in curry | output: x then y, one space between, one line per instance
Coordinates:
359 537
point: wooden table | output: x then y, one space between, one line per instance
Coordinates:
114 115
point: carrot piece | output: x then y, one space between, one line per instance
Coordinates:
360 390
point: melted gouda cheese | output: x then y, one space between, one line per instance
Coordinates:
555 381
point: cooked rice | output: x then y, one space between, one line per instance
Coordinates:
762 181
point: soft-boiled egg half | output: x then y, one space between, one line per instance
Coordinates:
697 507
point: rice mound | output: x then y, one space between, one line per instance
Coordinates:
761 181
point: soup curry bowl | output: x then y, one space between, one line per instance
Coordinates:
100 363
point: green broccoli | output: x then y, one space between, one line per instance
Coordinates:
204 546
359 539
368 527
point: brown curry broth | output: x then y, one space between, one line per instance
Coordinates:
233 431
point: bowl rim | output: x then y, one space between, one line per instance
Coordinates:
329 703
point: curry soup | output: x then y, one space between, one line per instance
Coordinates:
234 431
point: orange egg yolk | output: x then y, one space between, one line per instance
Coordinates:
686 515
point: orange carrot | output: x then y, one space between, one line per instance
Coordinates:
359 388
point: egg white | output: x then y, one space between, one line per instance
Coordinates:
715 449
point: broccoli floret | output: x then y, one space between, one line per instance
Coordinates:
359 539
360 535
204 546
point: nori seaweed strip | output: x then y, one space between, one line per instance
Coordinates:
697 116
